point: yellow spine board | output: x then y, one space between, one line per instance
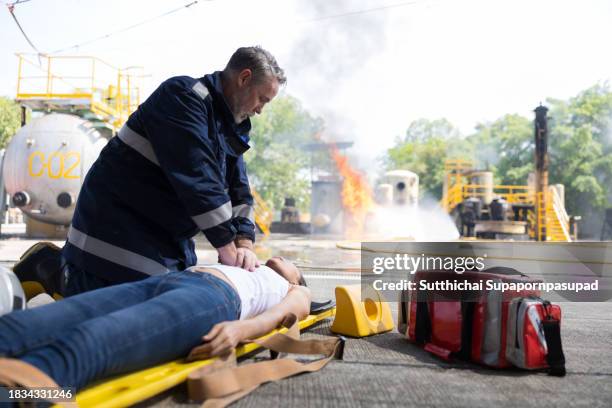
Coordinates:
132 388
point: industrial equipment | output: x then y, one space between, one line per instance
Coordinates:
484 210
326 206
403 188
45 164
290 222
78 103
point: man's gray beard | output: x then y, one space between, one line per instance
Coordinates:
238 120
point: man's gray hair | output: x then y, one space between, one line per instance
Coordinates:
259 61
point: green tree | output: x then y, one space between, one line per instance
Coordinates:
277 164
423 150
579 165
505 147
591 108
422 129
10 120
581 148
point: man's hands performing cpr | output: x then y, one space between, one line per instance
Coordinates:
246 259
239 254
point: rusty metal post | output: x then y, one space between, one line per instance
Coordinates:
541 170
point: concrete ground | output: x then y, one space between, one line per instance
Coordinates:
387 370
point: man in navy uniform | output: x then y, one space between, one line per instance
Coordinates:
175 168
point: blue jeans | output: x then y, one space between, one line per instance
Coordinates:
120 328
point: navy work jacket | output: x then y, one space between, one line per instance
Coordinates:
175 168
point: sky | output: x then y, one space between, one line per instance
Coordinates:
367 67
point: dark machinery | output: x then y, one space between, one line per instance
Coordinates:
290 220
492 220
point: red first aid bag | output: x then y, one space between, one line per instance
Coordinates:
533 336
474 324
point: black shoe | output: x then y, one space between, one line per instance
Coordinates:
318 307
41 263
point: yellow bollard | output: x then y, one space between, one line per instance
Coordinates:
357 317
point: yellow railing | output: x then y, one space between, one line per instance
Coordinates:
531 223
510 193
454 196
263 213
458 192
78 83
553 221
549 215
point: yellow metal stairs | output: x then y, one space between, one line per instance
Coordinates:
553 217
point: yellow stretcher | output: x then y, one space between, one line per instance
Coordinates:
132 388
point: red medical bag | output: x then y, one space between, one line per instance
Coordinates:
532 340
491 327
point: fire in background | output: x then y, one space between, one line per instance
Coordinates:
357 196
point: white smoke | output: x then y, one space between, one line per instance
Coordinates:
330 52
330 62
424 222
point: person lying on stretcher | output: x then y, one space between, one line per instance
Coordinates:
136 325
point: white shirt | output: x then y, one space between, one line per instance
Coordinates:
258 290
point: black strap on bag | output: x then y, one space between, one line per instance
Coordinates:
422 327
467 321
503 270
402 324
552 333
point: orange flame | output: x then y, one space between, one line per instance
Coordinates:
356 195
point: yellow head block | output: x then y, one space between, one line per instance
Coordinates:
360 315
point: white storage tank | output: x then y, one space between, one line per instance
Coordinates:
405 185
483 179
45 164
384 194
